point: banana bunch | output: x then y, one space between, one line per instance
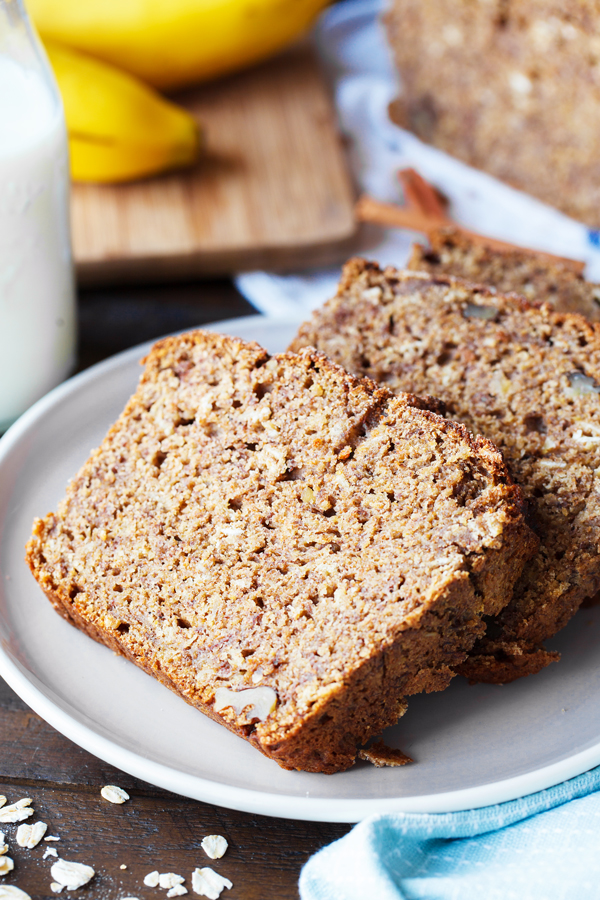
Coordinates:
171 43
119 129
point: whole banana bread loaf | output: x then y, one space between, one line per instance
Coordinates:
535 276
524 376
512 88
283 544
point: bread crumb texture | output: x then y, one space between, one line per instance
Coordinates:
528 379
254 521
508 87
533 275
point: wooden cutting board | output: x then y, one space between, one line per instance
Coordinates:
272 190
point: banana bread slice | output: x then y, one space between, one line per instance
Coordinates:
524 376
535 276
508 86
283 544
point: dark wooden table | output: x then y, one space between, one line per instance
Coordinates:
154 830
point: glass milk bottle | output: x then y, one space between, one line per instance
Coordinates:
37 301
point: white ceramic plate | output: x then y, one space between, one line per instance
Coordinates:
473 745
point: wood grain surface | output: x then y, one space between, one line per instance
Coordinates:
272 189
154 830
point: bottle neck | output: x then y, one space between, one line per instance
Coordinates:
19 42
14 26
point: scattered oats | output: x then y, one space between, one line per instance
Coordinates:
10 892
214 845
71 875
122 866
49 851
6 865
29 836
151 879
114 794
177 891
52 837
56 887
209 883
169 880
3 844
16 812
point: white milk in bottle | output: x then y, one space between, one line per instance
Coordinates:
37 306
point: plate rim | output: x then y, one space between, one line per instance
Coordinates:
341 810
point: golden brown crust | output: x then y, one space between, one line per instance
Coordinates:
504 662
276 522
522 374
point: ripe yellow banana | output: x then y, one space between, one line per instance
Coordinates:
119 129
170 43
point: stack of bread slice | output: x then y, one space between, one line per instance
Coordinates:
296 544
523 375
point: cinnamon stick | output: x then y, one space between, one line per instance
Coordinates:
425 211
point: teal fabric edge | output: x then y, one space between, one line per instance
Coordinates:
374 843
